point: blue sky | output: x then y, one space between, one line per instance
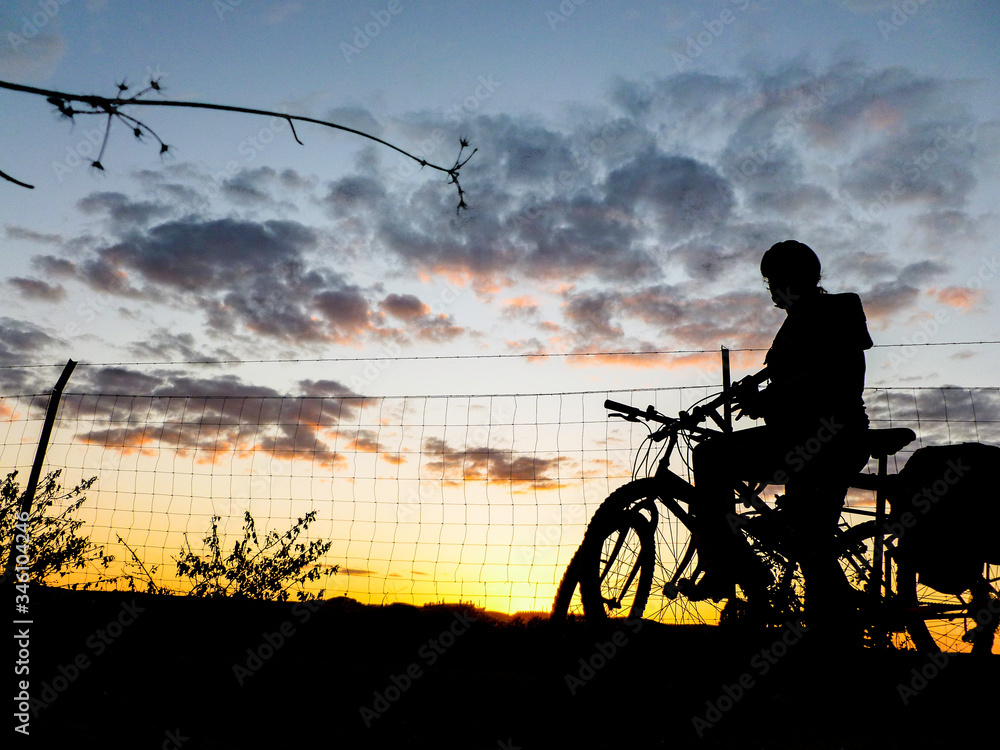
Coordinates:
634 161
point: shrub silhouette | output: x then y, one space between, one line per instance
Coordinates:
54 547
254 570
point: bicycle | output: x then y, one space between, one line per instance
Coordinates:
640 553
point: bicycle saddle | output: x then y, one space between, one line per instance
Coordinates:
887 441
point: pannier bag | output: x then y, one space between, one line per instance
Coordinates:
945 509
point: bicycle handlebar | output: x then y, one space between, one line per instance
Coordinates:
697 414
633 414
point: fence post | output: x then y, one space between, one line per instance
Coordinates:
36 468
727 408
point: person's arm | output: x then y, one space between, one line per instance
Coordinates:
747 398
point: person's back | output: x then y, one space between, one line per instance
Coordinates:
816 365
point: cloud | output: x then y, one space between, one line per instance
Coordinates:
887 298
164 345
654 205
940 416
22 343
688 98
246 276
14 232
123 212
255 187
354 194
961 297
356 572
353 116
30 58
325 388
491 464
930 163
523 306
38 290
279 13
684 194
404 306
591 316
209 418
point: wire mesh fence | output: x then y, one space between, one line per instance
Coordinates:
461 498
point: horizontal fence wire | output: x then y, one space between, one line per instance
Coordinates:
481 499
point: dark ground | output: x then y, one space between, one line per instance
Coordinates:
163 672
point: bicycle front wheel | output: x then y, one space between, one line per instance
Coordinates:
615 561
635 558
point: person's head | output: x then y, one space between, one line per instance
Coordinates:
791 270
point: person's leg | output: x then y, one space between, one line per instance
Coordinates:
719 463
815 499
814 512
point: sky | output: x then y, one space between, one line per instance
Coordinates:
633 161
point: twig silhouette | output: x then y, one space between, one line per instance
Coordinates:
152 584
113 109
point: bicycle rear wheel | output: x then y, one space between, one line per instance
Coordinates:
916 616
965 622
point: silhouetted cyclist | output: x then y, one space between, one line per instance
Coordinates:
813 438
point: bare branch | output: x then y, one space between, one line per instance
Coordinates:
16 182
112 107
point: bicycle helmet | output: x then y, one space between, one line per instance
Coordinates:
791 261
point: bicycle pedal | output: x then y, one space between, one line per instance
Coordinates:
699 592
970 636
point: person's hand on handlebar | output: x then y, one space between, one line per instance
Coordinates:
747 400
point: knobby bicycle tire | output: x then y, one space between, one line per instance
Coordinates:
673 557
616 567
579 591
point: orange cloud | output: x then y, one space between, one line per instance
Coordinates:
962 297
523 302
